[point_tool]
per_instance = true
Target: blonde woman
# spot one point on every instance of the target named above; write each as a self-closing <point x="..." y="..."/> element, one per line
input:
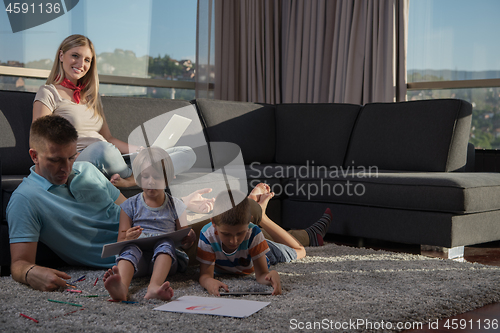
<point x="72" y="92"/>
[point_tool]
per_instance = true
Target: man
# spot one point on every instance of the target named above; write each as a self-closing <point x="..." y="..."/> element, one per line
<point x="71" y="207"/>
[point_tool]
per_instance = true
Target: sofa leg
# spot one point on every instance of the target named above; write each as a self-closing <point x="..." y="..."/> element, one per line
<point x="455" y="253"/>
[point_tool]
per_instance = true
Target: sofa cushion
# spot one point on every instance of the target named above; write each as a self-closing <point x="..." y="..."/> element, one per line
<point x="249" y="125"/>
<point x="429" y="135"/>
<point x="15" y="122"/>
<point x="450" y="192"/>
<point x="314" y="133"/>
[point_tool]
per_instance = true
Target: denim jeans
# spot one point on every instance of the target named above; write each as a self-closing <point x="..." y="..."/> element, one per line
<point x="109" y="160"/>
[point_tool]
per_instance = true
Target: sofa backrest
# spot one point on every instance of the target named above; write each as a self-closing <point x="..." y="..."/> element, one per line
<point x="314" y="134"/>
<point x="249" y="125"/>
<point x="15" y="122"/>
<point x="426" y="135"/>
<point x="123" y="115"/>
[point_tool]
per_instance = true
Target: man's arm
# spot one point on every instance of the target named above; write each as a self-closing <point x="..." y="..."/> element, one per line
<point x="25" y="271"/>
<point x="121" y="199"/>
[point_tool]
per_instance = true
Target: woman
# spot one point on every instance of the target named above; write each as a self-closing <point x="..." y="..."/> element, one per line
<point x="72" y="91"/>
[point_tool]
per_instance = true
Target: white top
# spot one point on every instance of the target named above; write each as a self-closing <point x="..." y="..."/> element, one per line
<point x="87" y="125"/>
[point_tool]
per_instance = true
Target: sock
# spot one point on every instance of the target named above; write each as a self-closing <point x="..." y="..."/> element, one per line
<point x="318" y="230"/>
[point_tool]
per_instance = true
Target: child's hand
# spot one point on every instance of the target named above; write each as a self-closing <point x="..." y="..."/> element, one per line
<point x="189" y="240"/>
<point x="214" y="285"/>
<point x="133" y="233"/>
<point x="274" y="278"/>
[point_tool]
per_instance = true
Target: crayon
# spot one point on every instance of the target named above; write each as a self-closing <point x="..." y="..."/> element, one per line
<point x="96" y="279"/>
<point x="25" y="316"/>
<point x="81" y="278"/>
<point x="56" y="301"/>
<point x="73" y="291"/>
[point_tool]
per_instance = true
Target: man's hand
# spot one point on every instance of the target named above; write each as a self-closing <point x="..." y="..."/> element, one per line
<point x="197" y="203"/>
<point x="46" y="279"/>
<point x="189" y="240"/>
<point x="274" y="278"/>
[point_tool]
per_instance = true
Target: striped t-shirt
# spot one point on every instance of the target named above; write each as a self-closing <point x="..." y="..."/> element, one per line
<point x="240" y="261"/>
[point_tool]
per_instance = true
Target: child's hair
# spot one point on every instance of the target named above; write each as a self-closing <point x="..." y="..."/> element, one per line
<point x="158" y="159"/>
<point x="90" y="93"/>
<point x="232" y="208"/>
<point x="51" y="128"/>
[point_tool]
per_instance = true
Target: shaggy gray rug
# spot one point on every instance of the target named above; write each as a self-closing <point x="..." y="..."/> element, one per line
<point x="336" y="288"/>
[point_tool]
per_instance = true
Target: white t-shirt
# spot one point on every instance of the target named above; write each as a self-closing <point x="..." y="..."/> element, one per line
<point x="86" y="124"/>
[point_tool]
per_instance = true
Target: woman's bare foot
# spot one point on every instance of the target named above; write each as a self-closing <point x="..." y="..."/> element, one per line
<point x="163" y="292"/>
<point x="261" y="188"/>
<point x="113" y="284"/>
<point x="118" y="181"/>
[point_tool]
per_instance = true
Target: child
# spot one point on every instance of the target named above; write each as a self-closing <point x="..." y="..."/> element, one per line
<point x="149" y="213"/>
<point x="231" y="244"/>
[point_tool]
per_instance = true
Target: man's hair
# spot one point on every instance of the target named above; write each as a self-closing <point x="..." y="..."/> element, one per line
<point x="231" y="208"/>
<point x="51" y="128"/>
<point x="158" y="159"/>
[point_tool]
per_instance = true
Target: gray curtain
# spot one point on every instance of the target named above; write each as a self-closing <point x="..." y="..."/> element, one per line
<point x="309" y="51"/>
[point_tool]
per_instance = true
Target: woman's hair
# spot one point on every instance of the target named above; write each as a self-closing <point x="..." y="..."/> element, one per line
<point x="158" y="159"/>
<point x="90" y="93"/>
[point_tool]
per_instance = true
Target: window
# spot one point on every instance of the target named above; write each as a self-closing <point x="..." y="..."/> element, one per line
<point x="152" y="41"/>
<point x="453" y="53"/>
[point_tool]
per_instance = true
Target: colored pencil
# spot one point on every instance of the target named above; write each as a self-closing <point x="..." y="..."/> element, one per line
<point x="25" y="316"/>
<point x="62" y="302"/>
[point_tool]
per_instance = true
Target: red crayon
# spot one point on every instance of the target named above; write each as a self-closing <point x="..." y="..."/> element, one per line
<point x="96" y="279"/>
<point x="25" y="316"/>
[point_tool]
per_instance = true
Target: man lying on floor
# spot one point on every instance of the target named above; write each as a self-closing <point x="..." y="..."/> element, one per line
<point x="72" y="208"/>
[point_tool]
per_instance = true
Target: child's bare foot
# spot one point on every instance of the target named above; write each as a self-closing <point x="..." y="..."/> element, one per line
<point x="261" y="188"/>
<point x="113" y="284"/>
<point x="118" y="181"/>
<point x="163" y="292"/>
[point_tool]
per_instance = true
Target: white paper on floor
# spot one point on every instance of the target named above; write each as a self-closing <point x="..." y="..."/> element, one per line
<point x="216" y="306"/>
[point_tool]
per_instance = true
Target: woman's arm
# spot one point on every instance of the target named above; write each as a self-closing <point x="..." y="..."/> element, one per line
<point x="123" y="147"/>
<point x="40" y="110"/>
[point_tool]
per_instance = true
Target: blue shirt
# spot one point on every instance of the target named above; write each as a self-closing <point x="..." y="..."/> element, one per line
<point x="75" y="221"/>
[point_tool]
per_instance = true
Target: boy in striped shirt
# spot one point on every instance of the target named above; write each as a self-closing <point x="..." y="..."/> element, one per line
<point x="231" y="244"/>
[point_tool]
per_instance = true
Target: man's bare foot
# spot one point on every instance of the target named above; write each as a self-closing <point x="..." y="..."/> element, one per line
<point x="118" y="181"/>
<point x="113" y="284"/>
<point x="261" y="188"/>
<point x="163" y="292"/>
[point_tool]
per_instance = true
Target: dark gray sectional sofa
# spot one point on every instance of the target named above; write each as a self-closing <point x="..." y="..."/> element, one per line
<point x="391" y="171"/>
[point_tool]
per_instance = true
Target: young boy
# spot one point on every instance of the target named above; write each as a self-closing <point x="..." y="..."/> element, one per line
<point x="231" y="244"/>
<point x="149" y="213"/>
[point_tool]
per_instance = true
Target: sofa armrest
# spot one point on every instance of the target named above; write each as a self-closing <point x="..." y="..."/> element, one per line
<point x="471" y="158"/>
